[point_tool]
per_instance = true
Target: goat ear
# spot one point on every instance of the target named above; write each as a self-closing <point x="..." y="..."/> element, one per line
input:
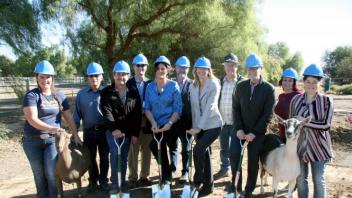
<point x="279" y="119"/>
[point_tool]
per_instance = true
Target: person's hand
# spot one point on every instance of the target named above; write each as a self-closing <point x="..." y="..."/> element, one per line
<point x="240" y="134"/>
<point x="117" y="134"/>
<point x="193" y="131"/>
<point x="134" y="140"/>
<point x="56" y="130"/>
<point x="250" y="137"/>
<point x="166" y="127"/>
<point x="77" y="139"/>
<point x="155" y="128"/>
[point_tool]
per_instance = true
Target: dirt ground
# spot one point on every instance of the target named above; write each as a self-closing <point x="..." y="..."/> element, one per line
<point x="16" y="179"/>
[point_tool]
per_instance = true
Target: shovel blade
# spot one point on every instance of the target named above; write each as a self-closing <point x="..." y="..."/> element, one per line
<point x="187" y="193"/>
<point x="123" y="195"/>
<point x="164" y="192"/>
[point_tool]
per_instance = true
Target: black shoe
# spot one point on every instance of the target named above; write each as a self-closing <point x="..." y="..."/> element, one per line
<point x="206" y="190"/>
<point x="248" y="194"/>
<point x="92" y="187"/>
<point x="132" y="184"/>
<point x="104" y="187"/>
<point x="145" y="182"/>
<point x="220" y="174"/>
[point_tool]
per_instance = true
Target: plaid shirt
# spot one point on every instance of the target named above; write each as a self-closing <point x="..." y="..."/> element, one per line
<point x="226" y="101"/>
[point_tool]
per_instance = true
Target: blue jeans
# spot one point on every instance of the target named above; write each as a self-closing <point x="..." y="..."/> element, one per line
<point x="318" y="176"/>
<point x="42" y="156"/>
<point x="224" y="137"/>
<point x="113" y="159"/>
<point x="184" y="153"/>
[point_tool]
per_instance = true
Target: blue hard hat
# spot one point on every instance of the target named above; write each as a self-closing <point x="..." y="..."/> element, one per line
<point x="183" y="61"/>
<point x="44" y="67"/>
<point x="290" y="73"/>
<point x="202" y="62"/>
<point x="94" y="68"/>
<point x="162" y="59"/>
<point x="140" y="59"/>
<point x="313" y="70"/>
<point x="253" y="61"/>
<point x="122" y="67"/>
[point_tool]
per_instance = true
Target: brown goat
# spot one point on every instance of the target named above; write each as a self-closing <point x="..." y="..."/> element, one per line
<point x="72" y="162"/>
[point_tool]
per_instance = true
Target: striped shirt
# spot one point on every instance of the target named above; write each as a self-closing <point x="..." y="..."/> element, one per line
<point x="314" y="143"/>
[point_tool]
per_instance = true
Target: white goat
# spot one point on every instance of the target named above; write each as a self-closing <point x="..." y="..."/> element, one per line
<point x="71" y="164"/>
<point x="282" y="163"/>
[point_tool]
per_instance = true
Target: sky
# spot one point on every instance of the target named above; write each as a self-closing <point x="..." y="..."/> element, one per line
<point x="308" y="26"/>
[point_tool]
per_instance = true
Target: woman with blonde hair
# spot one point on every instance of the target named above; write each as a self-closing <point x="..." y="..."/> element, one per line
<point x="206" y="122"/>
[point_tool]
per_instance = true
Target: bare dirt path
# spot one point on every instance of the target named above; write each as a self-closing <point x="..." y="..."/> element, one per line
<point x="16" y="178"/>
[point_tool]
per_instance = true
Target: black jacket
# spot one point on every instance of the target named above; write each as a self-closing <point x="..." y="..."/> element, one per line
<point x="185" y="121"/>
<point x="253" y="113"/>
<point x="132" y="84"/>
<point x="121" y="116"/>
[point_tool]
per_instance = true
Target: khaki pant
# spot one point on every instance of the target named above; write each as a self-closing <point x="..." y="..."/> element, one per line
<point x="143" y="146"/>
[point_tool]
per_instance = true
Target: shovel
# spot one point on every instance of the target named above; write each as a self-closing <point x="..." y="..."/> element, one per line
<point x="119" y="194"/>
<point x="188" y="191"/>
<point x="235" y="194"/>
<point x="160" y="190"/>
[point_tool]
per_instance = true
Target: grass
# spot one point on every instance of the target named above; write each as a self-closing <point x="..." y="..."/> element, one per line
<point x="342" y="89"/>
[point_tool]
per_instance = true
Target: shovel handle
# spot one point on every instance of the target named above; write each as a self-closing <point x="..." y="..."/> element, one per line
<point x="119" y="146"/>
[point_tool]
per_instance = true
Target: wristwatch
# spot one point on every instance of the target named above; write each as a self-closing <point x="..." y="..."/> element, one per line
<point x="170" y="122"/>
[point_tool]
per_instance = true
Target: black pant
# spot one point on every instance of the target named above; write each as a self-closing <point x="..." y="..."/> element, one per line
<point x="201" y="155"/>
<point x="169" y="140"/>
<point x="96" y="140"/>
<point x="254" y="148"/>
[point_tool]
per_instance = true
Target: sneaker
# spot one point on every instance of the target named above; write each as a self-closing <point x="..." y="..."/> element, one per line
<point x="220" y="174"/>
<point x="145" y="181"/>
<point x="105" y="187"/>
<point x="184" y="177"/>
<point x="132" y="184"/>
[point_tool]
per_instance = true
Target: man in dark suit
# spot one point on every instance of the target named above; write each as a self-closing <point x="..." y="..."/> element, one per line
<point x="185" y="121"/>
<point x="140" y="82"/>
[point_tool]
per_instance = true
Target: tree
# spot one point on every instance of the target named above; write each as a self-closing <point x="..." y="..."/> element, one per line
<point x="333" y="60"/>
<point x="279" y="49"/>
<point x="5" y="66"/>
<point x="296" y="62"/>
<point x="112" y="30"/>
<point x="19" y="25"/>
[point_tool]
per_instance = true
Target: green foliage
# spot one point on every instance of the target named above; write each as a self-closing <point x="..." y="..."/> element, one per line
<point x="19" y="25"/>
<point x="296" y="62"/>
<point x="20" y="90"/>
<point x="25" y="63"/>
<point x="342" y="89"/>
<point x="5" y="66"/>
<point x="338" y="62"/>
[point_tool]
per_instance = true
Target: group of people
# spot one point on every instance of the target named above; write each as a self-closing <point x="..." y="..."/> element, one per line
<point x="134" y="111"/>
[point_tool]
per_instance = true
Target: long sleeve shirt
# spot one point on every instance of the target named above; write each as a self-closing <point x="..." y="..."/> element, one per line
<point x="125" y="116"/>
<point x="87" y="108"/>
<point x="253" y="106"/>
<point x="315" y="140"/>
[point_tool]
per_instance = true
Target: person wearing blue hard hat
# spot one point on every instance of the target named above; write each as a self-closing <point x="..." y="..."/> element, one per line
<point x="121" y="107"/>
<point x="228" y="86"/>
<point x="43" y="107"/>
<point x="253" y="104"/>
<point x="87" y="110"/>
<point x="314" y="143"/>
<point x="185" y="121"/>
<point x="139" y="82"/>
<point x="288" y="83"/>
<point x="163" y="107"/>
<point x="206" y="122"/>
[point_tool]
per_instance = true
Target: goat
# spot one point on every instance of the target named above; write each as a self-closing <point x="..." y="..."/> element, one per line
<point x="71" y="164"/>
<point x="282" y="162"/>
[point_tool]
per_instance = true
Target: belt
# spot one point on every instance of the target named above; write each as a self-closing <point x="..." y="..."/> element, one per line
<point x="42" y="136"/>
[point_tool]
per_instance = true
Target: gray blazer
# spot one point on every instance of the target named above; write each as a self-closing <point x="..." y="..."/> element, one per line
<point x="205" y="110"/>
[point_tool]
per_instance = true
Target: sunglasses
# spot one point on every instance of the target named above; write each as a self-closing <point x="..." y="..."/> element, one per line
<point x="140" y="65"/>
<point x="94" y="76"/>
